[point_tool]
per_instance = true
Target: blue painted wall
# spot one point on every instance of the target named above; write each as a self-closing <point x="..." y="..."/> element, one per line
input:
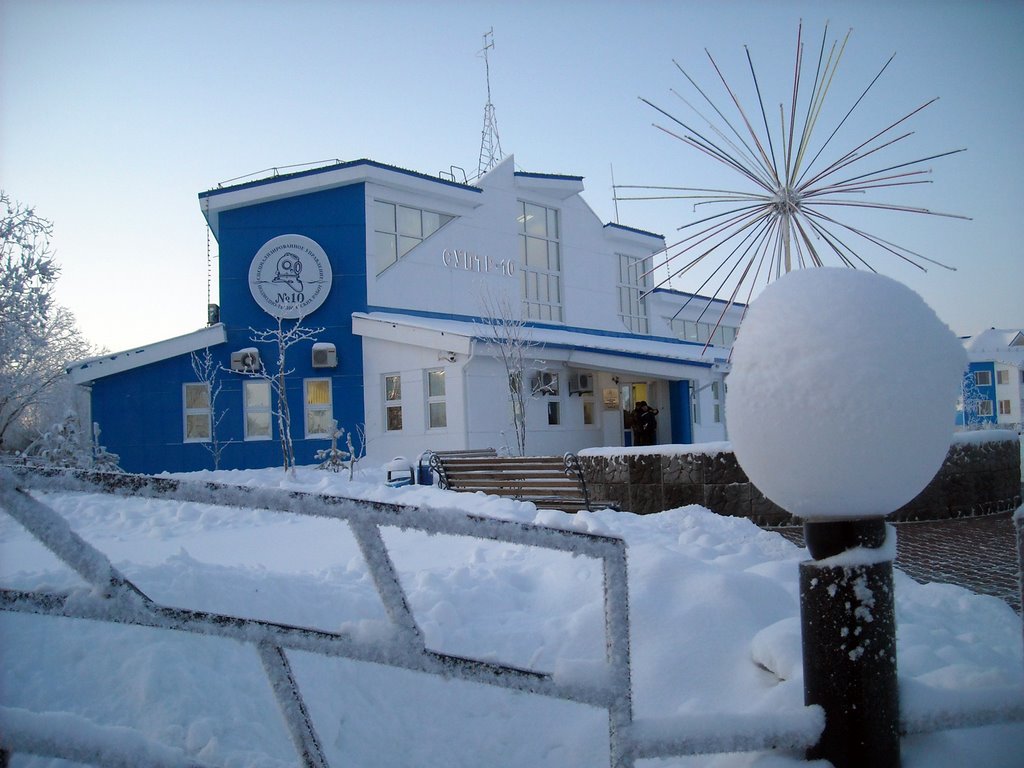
<point x="979" y="393"/>
<point x="679" y="401"/>
<point x="140" y="412"/>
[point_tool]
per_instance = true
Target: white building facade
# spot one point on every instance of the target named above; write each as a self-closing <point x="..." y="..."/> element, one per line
<point x="411" y="278"/>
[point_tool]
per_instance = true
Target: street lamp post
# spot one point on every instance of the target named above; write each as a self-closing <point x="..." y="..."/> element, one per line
<point x="848" y="632"/>
<point x="841" y="405"/>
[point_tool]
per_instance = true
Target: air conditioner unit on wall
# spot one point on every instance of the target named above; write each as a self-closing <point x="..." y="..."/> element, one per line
<point x="581" y="384"/>
<point x="325" y="356"/>
<point x="245" y="360"/>
<point x="544" y="383"/>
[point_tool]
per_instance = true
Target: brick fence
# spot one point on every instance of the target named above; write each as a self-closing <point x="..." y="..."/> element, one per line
<point x="980" y="475"/>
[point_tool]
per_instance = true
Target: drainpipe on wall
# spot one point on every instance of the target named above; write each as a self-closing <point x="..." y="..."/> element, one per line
<point x="465" y="392"/>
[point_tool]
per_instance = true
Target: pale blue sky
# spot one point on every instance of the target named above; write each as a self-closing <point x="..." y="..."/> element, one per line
<point x="116" y="114"/>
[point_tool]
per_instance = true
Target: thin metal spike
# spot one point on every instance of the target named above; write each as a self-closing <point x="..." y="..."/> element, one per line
<point x="854" y="152"/>
<point x="907" y="164"/>
<point x="726" y="120"/>
<point x="741" y="150"/>
<point x="743" y="114"/>
<point x="710" y="148"/>
<point x="721" y="156"/>
<point x="792" y="111"/>
<point x="850" y="112"/>
<point x="764" y="116"/>
<point x="848" y="161"/>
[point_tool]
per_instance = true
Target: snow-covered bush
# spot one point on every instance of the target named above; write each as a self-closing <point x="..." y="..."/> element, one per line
<point x="63" y="445"/>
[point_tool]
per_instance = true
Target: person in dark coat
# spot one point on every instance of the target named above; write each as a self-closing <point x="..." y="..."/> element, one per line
<point x="645" y="424"/>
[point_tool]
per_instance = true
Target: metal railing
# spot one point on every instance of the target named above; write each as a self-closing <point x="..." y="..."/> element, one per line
<point x="116" y="599"/>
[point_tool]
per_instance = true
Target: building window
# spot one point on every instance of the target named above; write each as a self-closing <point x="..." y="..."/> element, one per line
<point x="319" y="409"/>
<point x="554" y="413"/>
<point x="634" y="281"/>
<point x="984" y="407"/>
<point x="983" y="378"/>
<point x="197" y="412"/>
<point x="398" y="229"/>
<point x="1004" y="407"/>
<point x="589" y="413"/>
<point x="694" y="402"/>
<point x="1002" y="376"/>
<point x="702" y="333"/>
<point x="716" y="398"/>
<point x="541" y="259"/>
<point x="256" y="395"/>
<point x="393" y="402"/>
<point x="437" y="411"/>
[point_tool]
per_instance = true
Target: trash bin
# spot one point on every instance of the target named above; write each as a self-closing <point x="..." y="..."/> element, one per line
<point x="399" y="472"/>
<point x="424" y="475"/>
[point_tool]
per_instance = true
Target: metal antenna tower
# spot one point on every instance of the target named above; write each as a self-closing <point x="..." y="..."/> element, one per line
<point x="490" y="142"/>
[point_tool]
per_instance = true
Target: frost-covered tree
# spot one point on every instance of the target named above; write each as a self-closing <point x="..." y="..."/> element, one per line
<point x="509" y="336"/>
<point x="207" y="371"/>
<point x="38" y="338"/>
<point x="281" y="339"/>
<point x="334" y="458"/>
<point x="971" y="403"/>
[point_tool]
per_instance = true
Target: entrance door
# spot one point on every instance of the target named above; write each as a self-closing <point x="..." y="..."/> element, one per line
<point x="630" y="395"/>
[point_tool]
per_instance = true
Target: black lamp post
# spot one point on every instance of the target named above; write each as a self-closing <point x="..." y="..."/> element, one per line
<point x="848" y="631"/>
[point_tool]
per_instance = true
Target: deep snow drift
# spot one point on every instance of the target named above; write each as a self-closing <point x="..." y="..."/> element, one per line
<point x="715" y="630"/>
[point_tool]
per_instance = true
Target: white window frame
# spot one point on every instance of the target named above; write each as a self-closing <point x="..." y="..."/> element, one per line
<point x="984" y="407"/>
<point x="1005" y="407"/>
<point x="435" y="399"/>
<point x="402" y="239"/>
<point x="309" y="408"/>
<point x="589" y="403"/>
<point x="1002" y="376"/>
<point x="988" y="378"/>
<point x="634" y="282"/>
<point x="251" y="409"/>
<point x="392" y="402"/>
<point x="553" y="406"/>
<point x="537" y="283"/>
<point x="718" y="401"/>
<point x="193" y="412"/>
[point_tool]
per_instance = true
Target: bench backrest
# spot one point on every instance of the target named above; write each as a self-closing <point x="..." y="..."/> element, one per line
<point x="548" y="481"/>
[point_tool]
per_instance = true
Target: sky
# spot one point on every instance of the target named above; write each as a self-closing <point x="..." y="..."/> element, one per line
<point x="115" y="115"/>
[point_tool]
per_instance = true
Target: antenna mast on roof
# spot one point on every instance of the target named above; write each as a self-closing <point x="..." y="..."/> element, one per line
<point x="490" y="143"/>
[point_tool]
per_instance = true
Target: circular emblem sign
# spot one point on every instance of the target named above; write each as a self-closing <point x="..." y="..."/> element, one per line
<point x="290" y="276"/>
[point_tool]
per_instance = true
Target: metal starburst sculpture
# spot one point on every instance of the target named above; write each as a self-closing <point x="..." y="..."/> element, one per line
<point x="788" y="214"/>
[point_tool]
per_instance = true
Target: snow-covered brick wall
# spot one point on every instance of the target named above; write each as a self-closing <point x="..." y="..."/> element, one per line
<point x="978" y="476"/>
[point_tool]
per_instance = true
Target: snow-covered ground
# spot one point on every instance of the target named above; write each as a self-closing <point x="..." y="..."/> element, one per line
<point x="715" y="630"/>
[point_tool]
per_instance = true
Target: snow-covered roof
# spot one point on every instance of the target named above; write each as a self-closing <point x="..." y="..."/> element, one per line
<point x="579" y="347"/>
<point x="94" y="368"/>
<point x="1005" y="345"/>
<point x="614" y="227"/>
<point x="338" y="174"/>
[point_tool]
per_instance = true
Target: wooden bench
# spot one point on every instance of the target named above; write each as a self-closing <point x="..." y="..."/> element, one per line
<point x="550" y="482"/>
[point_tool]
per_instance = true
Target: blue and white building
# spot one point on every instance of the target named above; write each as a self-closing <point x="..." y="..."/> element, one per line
<point x="401" y="271"/>
<point x="993" y="389"/>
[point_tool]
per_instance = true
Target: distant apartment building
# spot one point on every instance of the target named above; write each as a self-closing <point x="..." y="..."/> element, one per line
<point x="993" y="388"/>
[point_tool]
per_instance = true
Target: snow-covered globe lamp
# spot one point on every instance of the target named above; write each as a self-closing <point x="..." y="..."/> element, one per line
<point x="841" y="403"/>
<point x="842" y="393"/>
